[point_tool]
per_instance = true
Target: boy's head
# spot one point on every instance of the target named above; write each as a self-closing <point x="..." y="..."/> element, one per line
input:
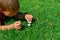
<point x="9" y="6"/>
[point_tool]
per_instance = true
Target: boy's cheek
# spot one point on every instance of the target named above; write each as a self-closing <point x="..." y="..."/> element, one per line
<point x="9" y="14"/>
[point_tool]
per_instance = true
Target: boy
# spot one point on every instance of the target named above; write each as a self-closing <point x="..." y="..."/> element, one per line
<point x="10" y="8"/>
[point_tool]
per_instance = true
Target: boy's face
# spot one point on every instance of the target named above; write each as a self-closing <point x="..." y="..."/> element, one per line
<point x="9" y="14"/>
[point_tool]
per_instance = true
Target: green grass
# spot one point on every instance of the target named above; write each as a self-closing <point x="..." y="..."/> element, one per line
<point x="45" y="27"/>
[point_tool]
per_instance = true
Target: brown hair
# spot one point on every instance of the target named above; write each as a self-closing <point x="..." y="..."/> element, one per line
<point x="10" y="5"/>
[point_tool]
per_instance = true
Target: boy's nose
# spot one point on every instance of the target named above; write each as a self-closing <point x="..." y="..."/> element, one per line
<point x="0" y="9"/>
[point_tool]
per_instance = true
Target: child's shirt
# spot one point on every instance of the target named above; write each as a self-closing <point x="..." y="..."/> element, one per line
<point x="1" y="16"/>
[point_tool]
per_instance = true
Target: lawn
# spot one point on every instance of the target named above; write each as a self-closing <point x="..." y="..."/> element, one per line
<point x="46" y="23"/>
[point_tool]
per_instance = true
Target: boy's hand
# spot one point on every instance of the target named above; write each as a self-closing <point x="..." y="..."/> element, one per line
<point x="17" y="25"/>
<point x="28" y="17"/>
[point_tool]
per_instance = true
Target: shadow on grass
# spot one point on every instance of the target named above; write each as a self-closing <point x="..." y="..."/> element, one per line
<point x="19" y="16"/>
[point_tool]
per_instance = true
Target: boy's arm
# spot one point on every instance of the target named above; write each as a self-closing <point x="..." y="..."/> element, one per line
<point x="6" y="27"/>
<point x="16" y="25"/>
